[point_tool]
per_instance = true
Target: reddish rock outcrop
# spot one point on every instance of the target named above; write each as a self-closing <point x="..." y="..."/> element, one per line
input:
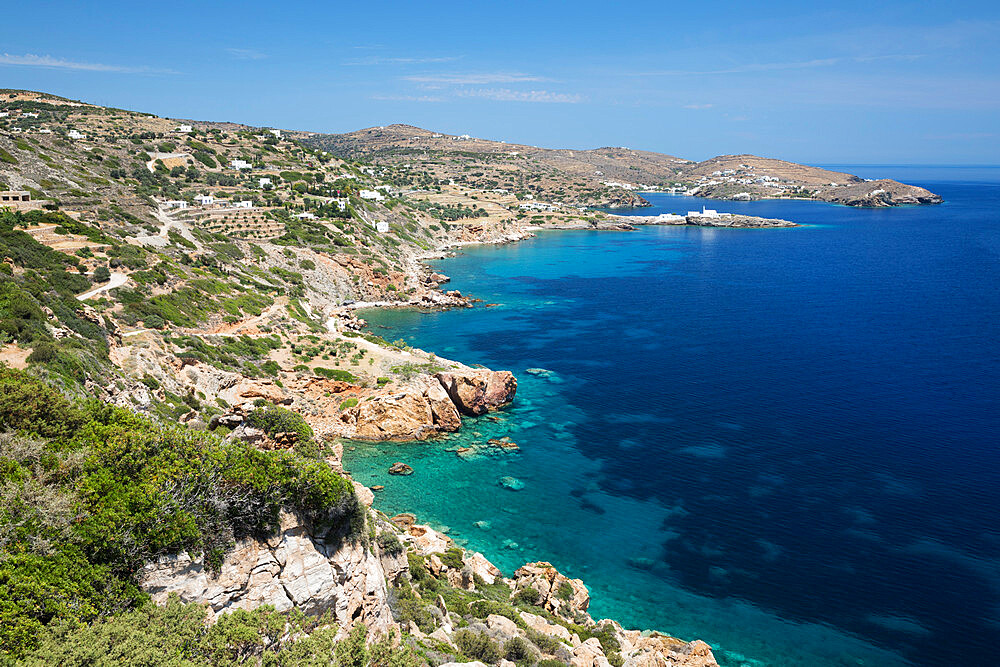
<point x="479" y="391"/>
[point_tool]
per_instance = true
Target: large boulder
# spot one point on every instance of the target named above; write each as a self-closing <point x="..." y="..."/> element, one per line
<point x="476" y="392"/>
<point x="403" y="416"/>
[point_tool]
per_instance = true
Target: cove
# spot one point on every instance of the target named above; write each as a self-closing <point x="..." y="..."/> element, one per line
<point x="780" y="441"/>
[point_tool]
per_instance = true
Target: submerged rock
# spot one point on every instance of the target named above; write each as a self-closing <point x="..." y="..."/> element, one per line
<point x="512" y="483"/>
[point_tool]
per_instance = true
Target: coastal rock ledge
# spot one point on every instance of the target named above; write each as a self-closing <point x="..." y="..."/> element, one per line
<point x="427" y="405"/>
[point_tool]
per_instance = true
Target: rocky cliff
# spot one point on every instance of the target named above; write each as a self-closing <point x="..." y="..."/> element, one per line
<point x="367" y="582"/>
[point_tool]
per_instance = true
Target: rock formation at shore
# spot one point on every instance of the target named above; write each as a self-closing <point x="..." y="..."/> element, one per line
<point x="427" y="405"/>
<point x="719" y="220"/>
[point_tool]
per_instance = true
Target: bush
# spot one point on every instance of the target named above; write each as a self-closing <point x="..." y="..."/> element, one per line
<point x="528" y="595"/>
<point x="43" y="352"/>
<point x="349" y="403"/>
<point x="453" y="558"/>
<point x="336" y="374"/>
<point x="274" y="419"/>
<point x="519" y="651"/>
<point x="565" y="591"/>
<point x="389" y="543"/>
<point x="102" y="274"/>
<point x="476" y="646"/>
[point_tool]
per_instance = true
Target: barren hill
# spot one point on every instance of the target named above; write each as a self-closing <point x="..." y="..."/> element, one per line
<point x="603" y="176"/>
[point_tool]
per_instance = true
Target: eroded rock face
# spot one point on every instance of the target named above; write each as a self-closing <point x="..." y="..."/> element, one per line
<point x="479" y="391"/>
<point x="443" y="411"/>
<point x="291" y="569"/>
<point x="557" y="592"/>
<point x="402" y="416"/>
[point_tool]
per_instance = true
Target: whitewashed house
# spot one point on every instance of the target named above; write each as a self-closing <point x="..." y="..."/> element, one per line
<point x="264" y="181"/>
<point x="76" y="134"/>
<point x="341" y="202"/>
<point x="305" y="215"/>
<point x="184" y="129"/>
<point x="381" y="227"/>
<point x="373" y="195"/>
<point x="276" y="133"/>
<point x="204" y="200"/>
<point x="45" y="130"/>
<point x="242" y="204"/>
<point x="704" y="213"/>
<point x="241" y="165"/>
<point x="176" y="203"/>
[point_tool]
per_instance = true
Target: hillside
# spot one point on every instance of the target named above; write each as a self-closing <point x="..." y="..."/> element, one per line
<point x="190" y="287"/>
<point x="607" y="177"/>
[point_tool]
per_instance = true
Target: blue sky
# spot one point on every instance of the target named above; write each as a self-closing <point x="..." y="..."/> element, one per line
<point x="847" y="82"/>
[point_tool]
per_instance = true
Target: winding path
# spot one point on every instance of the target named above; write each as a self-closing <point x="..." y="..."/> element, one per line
<point x="117" y="280"/>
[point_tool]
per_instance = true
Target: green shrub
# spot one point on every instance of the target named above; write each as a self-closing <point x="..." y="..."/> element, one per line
<point x="336" y="374"/>
<point x="43" y="352"/>
<point x="453" y="558"/>
<point x="527" y="595"/>
<point x="519" y="651"/>
<point x="476" y="645"/>
<point x="565" y="591"/>
<point x="349" y="403"/>
<point x="274" y="419"/>
<point x="389" y="543"/>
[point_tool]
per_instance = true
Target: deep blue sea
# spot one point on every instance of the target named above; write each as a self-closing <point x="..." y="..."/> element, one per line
<point x="784" y="442"/>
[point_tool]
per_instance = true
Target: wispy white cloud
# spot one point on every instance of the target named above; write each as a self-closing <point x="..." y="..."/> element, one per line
<point x="473" y="79"/>
<point x="771" y="67"/>
<point x="408" y="98"/>
<point x="508" y="95"/>
<point x="699" y="107"/>
<point x="385" y="60"/>
<point x="246" y="54"/>
<point x="49" y="62"/>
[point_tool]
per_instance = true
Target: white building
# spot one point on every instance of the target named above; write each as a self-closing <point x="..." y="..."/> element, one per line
<point x="176" y="203"/>
<point x="75" y="134"/>
<point x="264" y="181"/>
<point x="276" y="133"/>
<point x="4" y="114"/>
<point x="341" y="202"/>
<point x="371" y="195"/>
<point x="28" y="114"/>
<point x="704" y="213"/>
<point x="185" y="129"/>
<point x="305" y="215"/>
<point x="241" y="164"/>
<point x="45" y="130"/>
<point x="381" y="227"/>
<point x="204" y="200"/>
<point x="242" y="204"/>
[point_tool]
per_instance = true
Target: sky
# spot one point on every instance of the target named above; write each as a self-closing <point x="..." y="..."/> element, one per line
<point x="846" y="82"/>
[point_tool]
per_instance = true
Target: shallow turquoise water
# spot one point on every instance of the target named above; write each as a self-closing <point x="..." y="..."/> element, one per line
<point x="779" y="441"/>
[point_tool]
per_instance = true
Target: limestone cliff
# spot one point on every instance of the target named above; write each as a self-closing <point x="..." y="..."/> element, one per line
<point x="290" y="569"/>
<point x="357" y="581"/>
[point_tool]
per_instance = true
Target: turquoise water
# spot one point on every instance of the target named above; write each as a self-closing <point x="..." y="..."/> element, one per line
<point x="780" y="441"/>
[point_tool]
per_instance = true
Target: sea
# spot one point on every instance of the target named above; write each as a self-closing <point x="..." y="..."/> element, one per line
<point x="785" y="442"/>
